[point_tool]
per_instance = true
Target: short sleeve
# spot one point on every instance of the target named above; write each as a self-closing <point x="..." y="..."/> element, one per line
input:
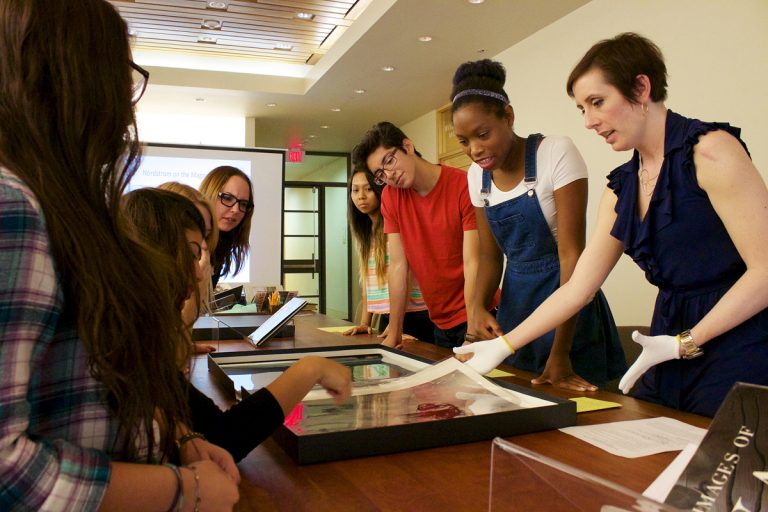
<point x="468" y="220"/>
<point x="389" y="211"/>
<point x="475" y="183"/>
<point x="567" y="163"/>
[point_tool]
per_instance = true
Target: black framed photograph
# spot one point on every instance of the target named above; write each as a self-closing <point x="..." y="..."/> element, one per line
<point x="399" y="402"/>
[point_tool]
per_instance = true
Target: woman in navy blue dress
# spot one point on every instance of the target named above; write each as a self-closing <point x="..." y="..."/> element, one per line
<point x="691" y="210"/>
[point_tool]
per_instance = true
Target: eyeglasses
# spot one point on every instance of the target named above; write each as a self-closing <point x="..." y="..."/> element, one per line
<point x="139" y="79"/>
<point x="387" y="164"/>
<point x="228" y="199"/>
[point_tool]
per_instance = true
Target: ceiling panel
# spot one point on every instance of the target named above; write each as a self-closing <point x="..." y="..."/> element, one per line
<point x="260" y="29"/>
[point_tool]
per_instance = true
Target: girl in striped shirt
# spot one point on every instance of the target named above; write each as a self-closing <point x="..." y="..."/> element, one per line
<point x="367" y="225"/>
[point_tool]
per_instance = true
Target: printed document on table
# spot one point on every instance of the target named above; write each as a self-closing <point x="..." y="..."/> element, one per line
<point x="639" y="438"/>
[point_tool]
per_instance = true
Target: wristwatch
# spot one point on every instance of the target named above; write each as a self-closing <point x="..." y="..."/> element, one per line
<point x="690" y="349"/>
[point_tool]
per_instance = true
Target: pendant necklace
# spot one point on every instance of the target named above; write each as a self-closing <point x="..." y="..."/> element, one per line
<point x="646" y="184"/>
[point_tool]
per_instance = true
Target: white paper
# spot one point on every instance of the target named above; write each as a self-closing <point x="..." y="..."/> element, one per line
<point x="662" y="486"/>
<point x="432" y="372"/>
<point x="639" y="438"/>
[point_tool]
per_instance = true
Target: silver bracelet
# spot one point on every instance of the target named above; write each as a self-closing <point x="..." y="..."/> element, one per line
<point x="197" y="488"/>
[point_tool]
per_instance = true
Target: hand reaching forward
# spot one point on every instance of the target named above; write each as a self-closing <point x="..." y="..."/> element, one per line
<point x="358" y="329"/>
<point x="656" y="349"/>
<point x="559" y="372"/>
<point x="485" y="355"/>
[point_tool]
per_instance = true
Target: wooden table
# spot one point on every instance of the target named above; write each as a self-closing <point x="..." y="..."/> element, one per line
<point x="451" y="478"/>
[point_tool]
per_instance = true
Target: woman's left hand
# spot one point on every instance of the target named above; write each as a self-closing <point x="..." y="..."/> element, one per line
<point x="656" y="349"/>
<point x="199" y="449"/>
<point x="559" y="372"/>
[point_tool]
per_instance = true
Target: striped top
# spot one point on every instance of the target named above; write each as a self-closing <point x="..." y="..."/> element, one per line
<point x="56" y="433"/>
<point x="377" y="294"/>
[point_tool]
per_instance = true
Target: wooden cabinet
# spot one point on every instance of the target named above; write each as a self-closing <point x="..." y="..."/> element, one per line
<point x="449" y="151"/>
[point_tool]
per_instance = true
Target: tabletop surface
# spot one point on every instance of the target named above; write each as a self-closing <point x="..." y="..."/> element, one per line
<point x="446" y="478"/>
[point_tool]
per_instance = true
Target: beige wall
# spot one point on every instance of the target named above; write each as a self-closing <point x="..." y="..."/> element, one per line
<point x="423" y="132"/>
<point x="717" y="58"/>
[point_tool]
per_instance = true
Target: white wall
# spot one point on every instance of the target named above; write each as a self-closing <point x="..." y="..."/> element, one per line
<point x="717" y="58"/>
<point x="423" y="132"/>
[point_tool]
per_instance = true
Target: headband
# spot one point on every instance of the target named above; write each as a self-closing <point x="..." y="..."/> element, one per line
<point x="481" y="92"/>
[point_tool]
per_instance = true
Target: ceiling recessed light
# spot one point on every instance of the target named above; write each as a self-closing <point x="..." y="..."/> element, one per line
<point x="312" y="136"/>
<point x="271" y="105"/>
<point x="199" y="99"/>
<point x="388" y="68"/>
<point x="283" y="46"/>
<point x="217" y="6"/>
<point x="305" y="15"/>
<point x="324" y="126"/>
<point x="481" y="50"/>
<point x="359" y="91"/>
<point x="425" y="39"/>
<point x="206" y="39"/>
<point x="476" y="1"/>
<point x="335" y="109"/>
<point x="211" y="24"/>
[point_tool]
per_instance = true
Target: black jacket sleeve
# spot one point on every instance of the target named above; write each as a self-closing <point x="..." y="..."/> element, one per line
<point x="241" y="428"/>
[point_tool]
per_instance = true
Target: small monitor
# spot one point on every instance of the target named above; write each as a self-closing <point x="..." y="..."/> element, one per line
<point x="270" y="327"/>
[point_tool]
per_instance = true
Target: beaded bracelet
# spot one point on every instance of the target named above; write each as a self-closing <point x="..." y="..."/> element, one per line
<point x="188" y="437"/>
<point x="178" y="498"/>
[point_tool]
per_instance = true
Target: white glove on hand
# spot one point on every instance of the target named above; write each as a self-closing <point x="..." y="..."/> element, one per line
<point x="656" y="349"/>
<point x="486" y="355"/>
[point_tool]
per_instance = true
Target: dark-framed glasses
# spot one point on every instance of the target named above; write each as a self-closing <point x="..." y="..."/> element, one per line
<point x="387" y="164"/>
<point x="229" y="200"/>
<point x="139" y="79"/>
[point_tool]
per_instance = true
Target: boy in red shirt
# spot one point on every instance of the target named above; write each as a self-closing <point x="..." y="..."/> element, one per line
<point x="431" y="230"/>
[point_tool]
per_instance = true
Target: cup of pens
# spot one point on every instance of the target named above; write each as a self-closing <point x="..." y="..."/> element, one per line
<point x="274" y="302"/>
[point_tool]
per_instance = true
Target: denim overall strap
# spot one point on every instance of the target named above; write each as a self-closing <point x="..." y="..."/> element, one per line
<point x="531" y="146"/>
<point x="529" y="178"/>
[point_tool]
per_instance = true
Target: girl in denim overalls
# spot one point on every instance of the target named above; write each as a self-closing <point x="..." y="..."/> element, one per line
<point x="534" y="218"/>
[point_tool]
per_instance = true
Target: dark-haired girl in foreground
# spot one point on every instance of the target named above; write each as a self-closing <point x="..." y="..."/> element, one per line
<point x="530" y="196"/>
<point x="692" y="210"/>
<point x="90" y="337"/>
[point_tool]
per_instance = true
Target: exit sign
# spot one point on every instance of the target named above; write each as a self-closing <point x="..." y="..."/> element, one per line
<point x="295" y="155"/>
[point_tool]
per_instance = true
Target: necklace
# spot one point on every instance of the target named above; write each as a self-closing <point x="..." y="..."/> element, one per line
<point x="647" y="183"/>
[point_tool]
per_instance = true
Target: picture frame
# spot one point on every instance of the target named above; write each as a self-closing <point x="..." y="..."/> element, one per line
<point x="413" y="404"/>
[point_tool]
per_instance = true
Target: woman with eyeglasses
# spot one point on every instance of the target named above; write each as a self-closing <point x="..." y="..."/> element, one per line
<point x="90" y="335"/>
<point x="230" y="190"/>
<point x="367" y="226"/>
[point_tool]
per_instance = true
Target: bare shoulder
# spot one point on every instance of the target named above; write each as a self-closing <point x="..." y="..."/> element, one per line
<point x="720" y="158"/>
<point x="718" y="146"/>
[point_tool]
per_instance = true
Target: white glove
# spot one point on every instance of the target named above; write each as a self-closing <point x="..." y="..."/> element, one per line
<point x="656" y="349"/>
<point x="486" y="355"/>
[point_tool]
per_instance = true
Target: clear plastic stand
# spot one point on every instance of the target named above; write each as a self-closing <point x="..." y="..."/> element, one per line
<point x="215" y="338"/>
<point x="523" y="480"/>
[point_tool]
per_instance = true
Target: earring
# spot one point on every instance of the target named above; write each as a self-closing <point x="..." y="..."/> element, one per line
<point x="645" y="108"/>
